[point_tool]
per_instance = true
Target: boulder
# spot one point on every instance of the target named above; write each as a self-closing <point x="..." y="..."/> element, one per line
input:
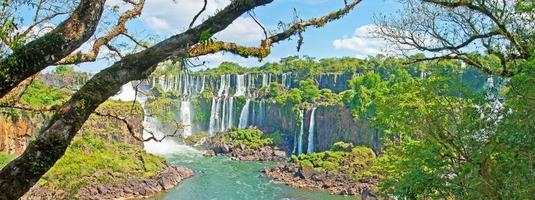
<point x="209" y="153"/>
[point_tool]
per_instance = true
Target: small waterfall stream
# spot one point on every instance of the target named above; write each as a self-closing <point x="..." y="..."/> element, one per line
<point x="244" y="116"/>
<point x="185" y="116"/>
<point x="301" y="133"/>
<point x="310" y="147"/>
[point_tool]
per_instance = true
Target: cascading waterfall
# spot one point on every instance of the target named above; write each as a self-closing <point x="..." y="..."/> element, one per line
<point x="244" y="116"/>
<point x="264" y="80"/>
<point x="240" y="85"/>
<point x="301" y="132"/>
<point x="223" y="116"/>
<point x="230" y="118"/>
<point x="185" y="116"/>
<point x="202" y="83"/>
<point x="310" y="147"/>
<point x="213" y="116"/>
<point x="223" y="113"/>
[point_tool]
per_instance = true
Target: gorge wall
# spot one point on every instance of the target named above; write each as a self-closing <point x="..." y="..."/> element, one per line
<point x="215" y="103"/>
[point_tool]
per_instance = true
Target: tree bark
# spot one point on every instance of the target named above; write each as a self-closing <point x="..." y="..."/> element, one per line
<point x="22" y="173"/>
<point x="52" y="47"/>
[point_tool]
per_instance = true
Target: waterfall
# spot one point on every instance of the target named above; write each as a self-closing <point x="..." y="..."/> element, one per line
<point x="301" y="131"/>
<point x="213" y="113"/>
<point x="185" y="117"/>
<point x="223" y="115"/>
<point x="264" y="80"/>
<point x="310" y="147"/>
<point x="222" y="85"/>
<point x="202" y="83"/>
<point x="244" y="116"/>
<point x="231" y="113"/>
<point x="261" y="113"/>
<point x="240" y="85"/>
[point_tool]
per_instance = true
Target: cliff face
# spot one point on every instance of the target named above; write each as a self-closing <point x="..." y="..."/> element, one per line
<point x="332" y="124"/>
<point x="216" y="103"/>
<point x="18" y="127"/>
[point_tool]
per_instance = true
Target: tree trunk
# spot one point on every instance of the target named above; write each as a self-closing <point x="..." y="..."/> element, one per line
<point x="52" y="47"/>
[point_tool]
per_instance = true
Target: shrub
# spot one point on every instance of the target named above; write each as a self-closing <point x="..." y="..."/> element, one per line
<point x="250" y="138"/>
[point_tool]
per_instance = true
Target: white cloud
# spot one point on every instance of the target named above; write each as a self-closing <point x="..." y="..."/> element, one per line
<point x="242" y="30"/>
<point x="213" y="60"/>
<point x="172" y="16"/>
<point x="362" y="43"/>
<point x="169" y="17"/>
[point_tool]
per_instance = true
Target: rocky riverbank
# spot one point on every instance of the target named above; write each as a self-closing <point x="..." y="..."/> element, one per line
<point x="266" y="153"/>
<point x="135" y="188"/>
<point x="301" y="177"/>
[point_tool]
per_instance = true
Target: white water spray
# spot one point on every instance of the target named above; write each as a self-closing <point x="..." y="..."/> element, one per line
<point x="244" y="116"/>
<point x="310" y="147"/>
<point x="301" y="131"/>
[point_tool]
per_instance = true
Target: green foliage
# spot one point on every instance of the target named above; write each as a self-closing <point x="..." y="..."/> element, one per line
<point x="342" y="146"/>
<point x="275" y="137"/>
<point x="364" y="90"/>
<point x="39" y="94"/>
<point x="63" y="70"/>
<point x="163" y="107"/>
<point x="5" y="158"/>
<point x="251" y="138"/>
<point x="445" y="138"/>
<point x="355" y="162"/>
<point x="89" y="160"/>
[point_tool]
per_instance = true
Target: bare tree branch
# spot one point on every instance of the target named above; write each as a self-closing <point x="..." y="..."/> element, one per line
<point x="259" y="24"/>
<point x="118" y="29"/>
<point x="198" y="14"/>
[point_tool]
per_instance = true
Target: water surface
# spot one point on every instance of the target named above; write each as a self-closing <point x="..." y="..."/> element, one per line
<point x="225" y="179"/>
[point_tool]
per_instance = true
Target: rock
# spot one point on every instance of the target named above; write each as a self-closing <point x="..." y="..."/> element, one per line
<point x="209" y="153"/>
<point x="306" y="172"/>
<point x="305" y="177"/>
<point x="168" y="178"/>
<point x="280" y="154"/>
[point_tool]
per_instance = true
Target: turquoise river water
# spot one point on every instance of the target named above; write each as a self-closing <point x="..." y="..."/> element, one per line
<point x="219" y="178"/>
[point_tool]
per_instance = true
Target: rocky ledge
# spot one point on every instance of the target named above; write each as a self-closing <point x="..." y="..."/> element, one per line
<point x="294" y="176"/>
<point x="134" y="188"/>
<point x="266" y="153"/>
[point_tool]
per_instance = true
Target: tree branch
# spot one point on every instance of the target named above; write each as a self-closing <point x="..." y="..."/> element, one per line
<point x="53" y="46"/>
<point x="118" y="29"/>
<point x="198" y="14"/>
<point x="265" y="47"/>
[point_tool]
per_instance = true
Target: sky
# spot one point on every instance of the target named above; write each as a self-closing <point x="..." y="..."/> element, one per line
<point x="348" y="36"/>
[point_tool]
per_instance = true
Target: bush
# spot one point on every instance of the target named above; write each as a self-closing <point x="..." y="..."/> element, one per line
<point x="342" y="146"/>
<point x="5" y="158"/>
<point x="250" y="138"/>
<point x="356" y="162"/>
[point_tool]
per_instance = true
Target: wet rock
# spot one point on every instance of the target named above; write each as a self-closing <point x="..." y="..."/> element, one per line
<point x="209" y="153"/>
<point x="278" y="153"/>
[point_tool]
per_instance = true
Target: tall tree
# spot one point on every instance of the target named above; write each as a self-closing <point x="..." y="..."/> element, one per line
<point x="22" y="173"/>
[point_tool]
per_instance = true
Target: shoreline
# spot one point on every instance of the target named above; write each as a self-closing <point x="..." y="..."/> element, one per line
<point x="135" y="188"/>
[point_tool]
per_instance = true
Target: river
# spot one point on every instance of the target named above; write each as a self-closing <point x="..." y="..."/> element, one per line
<point x="226" y="179"/>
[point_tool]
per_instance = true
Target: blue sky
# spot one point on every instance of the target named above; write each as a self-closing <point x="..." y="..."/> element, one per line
<point x="345" y="37"/>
